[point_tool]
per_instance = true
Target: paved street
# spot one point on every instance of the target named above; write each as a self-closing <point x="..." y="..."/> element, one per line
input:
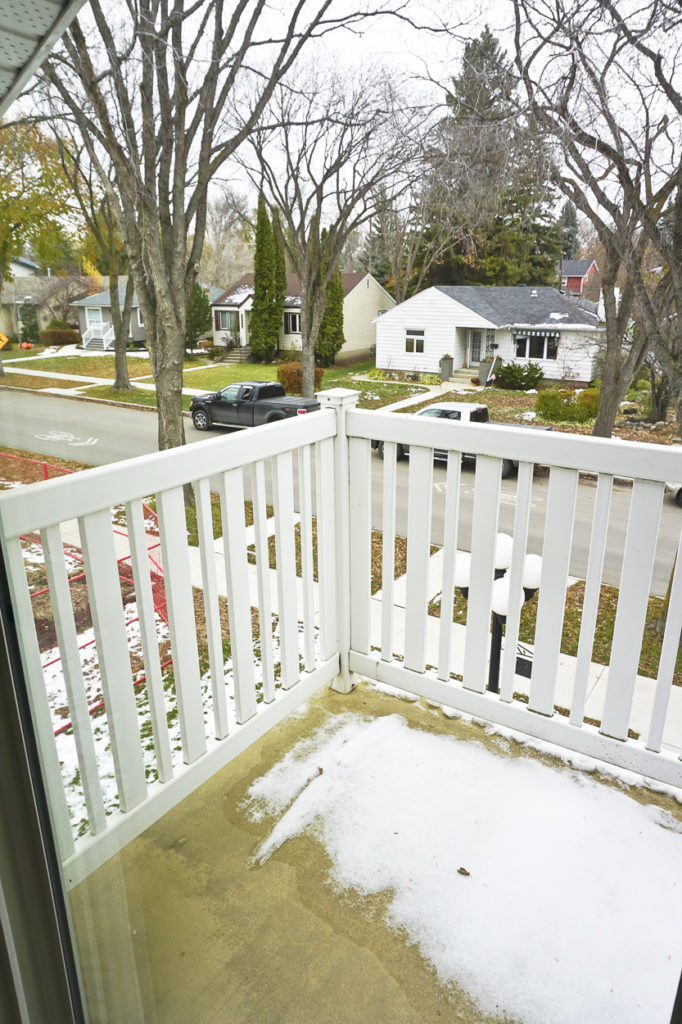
<point x="98" y="434"/>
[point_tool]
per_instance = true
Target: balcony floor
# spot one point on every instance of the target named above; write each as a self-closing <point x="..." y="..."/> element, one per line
<point x="180" y="927"/>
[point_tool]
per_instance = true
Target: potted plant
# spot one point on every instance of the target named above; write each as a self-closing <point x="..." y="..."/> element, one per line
<point x="446" y="364"/>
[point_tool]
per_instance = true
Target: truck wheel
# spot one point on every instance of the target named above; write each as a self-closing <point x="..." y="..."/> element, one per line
<point x="272" y="417"/>
<point x="201" y="419"/>
<point x="507" y="468"/>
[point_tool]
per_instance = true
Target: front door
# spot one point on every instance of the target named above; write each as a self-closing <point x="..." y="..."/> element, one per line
<point x="475" y="347"/>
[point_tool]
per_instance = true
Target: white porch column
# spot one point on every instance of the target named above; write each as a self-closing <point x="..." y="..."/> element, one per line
<point x="341" y="400"/>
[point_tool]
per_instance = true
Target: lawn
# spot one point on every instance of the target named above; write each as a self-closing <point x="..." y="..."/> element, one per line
<point x="92" y="366"/>
<point x="603" y="635"/>
<point x="135" y="397"/>
<point x="20" y="380"/>
<point x="21" y="353"/>
<point x="213" y="378"/>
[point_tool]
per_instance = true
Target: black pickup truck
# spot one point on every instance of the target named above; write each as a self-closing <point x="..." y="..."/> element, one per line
<point x="247" y="404"/>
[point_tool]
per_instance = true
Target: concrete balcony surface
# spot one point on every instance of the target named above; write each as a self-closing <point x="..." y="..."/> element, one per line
<point x="180" y="926"/>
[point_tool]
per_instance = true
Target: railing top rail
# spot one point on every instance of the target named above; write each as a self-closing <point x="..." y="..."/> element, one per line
<point x="29" y="509"/>
<point x="571" y="451"/>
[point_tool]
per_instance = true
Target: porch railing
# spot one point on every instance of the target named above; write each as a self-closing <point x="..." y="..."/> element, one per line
<point x="300" y="613"/>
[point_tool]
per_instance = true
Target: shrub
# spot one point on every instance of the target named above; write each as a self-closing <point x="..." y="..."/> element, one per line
<point x="58" y="325"/>
<point x="377" y="374"/>
<point x="58" y="336"/>
<point x="290" y="376"/>
<point x="567" y="406"/>
<point x="518" y="376"/>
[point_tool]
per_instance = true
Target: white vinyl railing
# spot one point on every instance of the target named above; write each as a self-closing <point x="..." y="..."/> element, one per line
<point x="421" y="659"/>
<point x="220" y="707"/>
<point x="319" y="470"/>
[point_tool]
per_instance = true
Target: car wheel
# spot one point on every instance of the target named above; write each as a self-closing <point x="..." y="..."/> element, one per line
<point x="402" y="451"/>
<point x="678" y="498"/>
<point x="507" y="468"/>
<point x="201" y="419"/>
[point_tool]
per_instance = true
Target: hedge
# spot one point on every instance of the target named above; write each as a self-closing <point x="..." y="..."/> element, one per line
<point x="568" y="406"/>
<point x="517" y="376"/>
<point x="57" y="336"/>
<point x="290" y="376"/>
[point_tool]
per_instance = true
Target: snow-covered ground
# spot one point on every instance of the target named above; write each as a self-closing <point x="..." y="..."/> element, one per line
<point x="543" y="893"/>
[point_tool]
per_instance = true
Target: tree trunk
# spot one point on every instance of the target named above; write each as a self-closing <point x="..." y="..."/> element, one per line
<point x="121" y="323"/>
<point x="312" y="311"/>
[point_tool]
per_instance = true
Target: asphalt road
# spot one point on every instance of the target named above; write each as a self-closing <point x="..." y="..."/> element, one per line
<point x="97" y="434"/>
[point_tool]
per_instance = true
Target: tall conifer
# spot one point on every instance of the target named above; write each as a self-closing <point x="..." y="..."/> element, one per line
<point x="261" y="339"/>
<point x="280" y="276"/>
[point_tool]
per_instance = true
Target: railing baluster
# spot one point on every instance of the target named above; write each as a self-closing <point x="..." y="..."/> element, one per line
<point x="238" y="597"/>
<point x="447" y="598"/>
<point x="37" y="694"/>
<point x="62" y="611"/>
<point x="633" y="601"/>
<point x="260" y="533"/>
<point x="307" y="570"/>
<point x="150" y="647"/>
<point x="214" y="634"/>
<point x="283" y="486"/>
<point x="483" y="535"/>
<point x="524" y="491"/>
<point x="556" y="554"/>
<point x="388" y="550"/>
<point x="588" y="619"/>
<point x="418" y="548"/>
<point x="326" y="573"/>
<point x="360" y="475"/>
<point x="668" y="658"/>
<point x="104" y="594"/>
<point x="179" y="599"/>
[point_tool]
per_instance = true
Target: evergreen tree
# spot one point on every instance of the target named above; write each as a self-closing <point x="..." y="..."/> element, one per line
<point x="198" y="320"/>
<point x="568" y="224"/>
<point x="29" y="322"/>
<point x="330" y="338"/>
<point x="280" y="276"/>
<point x="262" y="336"/>
<point x="491" y="177"/>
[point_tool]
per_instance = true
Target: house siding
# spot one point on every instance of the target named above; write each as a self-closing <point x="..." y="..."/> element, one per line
<point x="576" y="355"/>
<point x="445" y="324"/>
<point x="360" y="308"/>
<point x="137" y="333"/>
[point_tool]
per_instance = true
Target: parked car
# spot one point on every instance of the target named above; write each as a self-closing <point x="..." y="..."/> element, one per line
<point x="462" y="412"/>
<point x="247" y="405"/>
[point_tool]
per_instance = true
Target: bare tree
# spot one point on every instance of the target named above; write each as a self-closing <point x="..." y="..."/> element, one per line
<point x="149" y="87"/>
<point x="93" y="204"/>
<point x="65" y="290"/>
<point x="605" y="82"/>
<point x="228" y="247"/>
<point x="332" y="151"/>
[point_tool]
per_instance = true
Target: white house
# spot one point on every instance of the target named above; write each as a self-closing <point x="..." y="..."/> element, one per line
<point x="364" y="300"/>
<point x="470" y="323"/>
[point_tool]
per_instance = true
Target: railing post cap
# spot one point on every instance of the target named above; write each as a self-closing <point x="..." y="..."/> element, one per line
<point x="343" y="398"/>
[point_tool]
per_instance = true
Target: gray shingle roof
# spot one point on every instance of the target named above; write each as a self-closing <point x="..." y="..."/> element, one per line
<point x="574" y="268"/>
<point x="520" y="306"/>
<point x="103" y="299"/>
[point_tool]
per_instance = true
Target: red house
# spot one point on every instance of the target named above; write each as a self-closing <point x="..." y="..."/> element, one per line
<point x="575" y="275"/>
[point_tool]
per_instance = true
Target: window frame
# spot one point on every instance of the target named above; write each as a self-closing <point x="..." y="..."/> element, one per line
<point x="414" y="340"/>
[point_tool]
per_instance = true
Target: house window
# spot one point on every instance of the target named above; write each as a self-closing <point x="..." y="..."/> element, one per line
<point x="536" y="345"/>
<point x="227" y="320"/>
<point x="414" y="340"/>
<point x="93" y="316"/>
<point x="292" y="323"/>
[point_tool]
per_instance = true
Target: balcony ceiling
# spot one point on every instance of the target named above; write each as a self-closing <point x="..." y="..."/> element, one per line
<point x="28" y="31"/>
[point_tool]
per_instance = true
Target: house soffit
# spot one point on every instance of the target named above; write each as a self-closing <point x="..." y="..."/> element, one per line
<point x="29" y="30"/>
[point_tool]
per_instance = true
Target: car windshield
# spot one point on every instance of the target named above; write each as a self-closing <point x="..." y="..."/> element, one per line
<point x="431" y="412"/>
<point x="480" y="415"/>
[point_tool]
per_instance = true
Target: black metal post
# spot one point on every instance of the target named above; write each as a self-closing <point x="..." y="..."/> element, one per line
<point x="495" y="653"/>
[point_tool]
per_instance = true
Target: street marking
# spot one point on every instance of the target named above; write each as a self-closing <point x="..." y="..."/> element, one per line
<point x="61" y="435"/>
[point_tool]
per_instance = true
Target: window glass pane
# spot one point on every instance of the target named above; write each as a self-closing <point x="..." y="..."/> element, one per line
<point x="454" y="414"/>
<point x="552" y="348"/>
<point x="409" y="344"/>
<point x="435" y="413"/>
<point x="480" y="416"/>
<point x="537" y="346"/>
<point x="420" y="344"/>
<point x="521" y="344"/>
<point x="231" y="392"/>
